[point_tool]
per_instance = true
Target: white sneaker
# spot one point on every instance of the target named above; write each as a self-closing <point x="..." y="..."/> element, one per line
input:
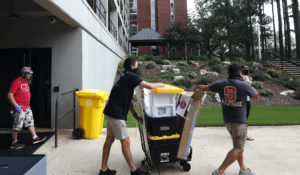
<point x="216" y="172"/>
<point x="247" y="172"/>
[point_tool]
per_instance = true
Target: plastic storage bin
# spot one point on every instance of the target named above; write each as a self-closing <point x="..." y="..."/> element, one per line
<point x="91" y="106"/>
<point x="162" y="125"/>
<point x="164" y="149"/>
<point x="161" y="102"/>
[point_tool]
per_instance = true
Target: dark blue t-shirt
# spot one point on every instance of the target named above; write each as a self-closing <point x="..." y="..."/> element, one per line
<point x="233" y="94"/>
<point x="121" y="95"/>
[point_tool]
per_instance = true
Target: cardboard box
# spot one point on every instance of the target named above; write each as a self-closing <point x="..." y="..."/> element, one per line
<point x="190" y="121"/>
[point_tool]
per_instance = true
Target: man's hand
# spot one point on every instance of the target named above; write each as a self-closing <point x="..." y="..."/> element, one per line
<point x="18" y="108"/>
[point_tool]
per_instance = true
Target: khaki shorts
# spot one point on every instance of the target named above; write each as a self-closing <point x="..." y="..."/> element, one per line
<point x="238" y="134"/>
<point x="23" y="118"/>
<point x="116" y="128"/>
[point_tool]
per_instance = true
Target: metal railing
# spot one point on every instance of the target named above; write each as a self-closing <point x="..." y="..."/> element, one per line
<point x="58" y="117"/>
<point x="112" y="29"/>
<point x="282" y="59"/>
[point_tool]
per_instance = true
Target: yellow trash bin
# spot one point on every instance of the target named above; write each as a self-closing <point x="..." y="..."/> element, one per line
<point x="91" y="106"/>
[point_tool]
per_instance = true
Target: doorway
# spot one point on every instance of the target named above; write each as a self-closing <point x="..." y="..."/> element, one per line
<point x="39" y="59"/>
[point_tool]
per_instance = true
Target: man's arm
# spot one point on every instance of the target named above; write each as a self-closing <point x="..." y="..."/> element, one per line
<point x="11" y="98"/>
<point x="202" y="88"/>
<point x="134" y="114"/>
<point x="151" y="85"/>
<point x="256" y="95"/>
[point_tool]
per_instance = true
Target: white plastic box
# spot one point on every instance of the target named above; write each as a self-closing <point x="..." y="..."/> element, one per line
<point x="159" y="104"/>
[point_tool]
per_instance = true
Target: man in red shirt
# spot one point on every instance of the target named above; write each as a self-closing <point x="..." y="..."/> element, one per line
<point x="19" y="96"/>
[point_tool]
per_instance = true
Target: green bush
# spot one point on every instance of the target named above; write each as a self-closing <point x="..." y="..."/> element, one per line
<point x="185" y="82"/>
<point x="205" y="80"/>
<point x="166" y="62"/>
<point x="120" y="67"/>
<point x="191" y="75"/>
<point x="168" y="75"/>
<point x="149" y="78"/>
<point x="273" y="73"/>
<point x="292" y="84"/>
<point x="157" y="59"/>
<point x="217" y="67"/>
<point x="182" y="63"/>
<point x="258" y="76"/>
<point x="214" y="61"/>
<point x="145" y="57"/>
<point x="175" y="58"/>
<point x="267" y="76"/>
<point x="257" y="84"/>
<point x="266" y="92"/>
<point x="198" y="58"/>
<point x="151" y="65"/>
<point x="297" y="94"/>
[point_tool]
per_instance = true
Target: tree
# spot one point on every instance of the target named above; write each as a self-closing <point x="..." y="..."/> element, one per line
<point x="296" y="16"/>
<point x="274" y="30"/>
<point x="280" y="29"/>
<point x="287" y="31"/>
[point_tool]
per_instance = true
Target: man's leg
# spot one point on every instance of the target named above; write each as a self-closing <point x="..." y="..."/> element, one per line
<point x="106" y="150"/>
<point x="127" y="154"/>
<point x="32" y="131"/>
<point x="230" y="158"/>
<point x="14" y="135"/>
<point x="241" y="162"/>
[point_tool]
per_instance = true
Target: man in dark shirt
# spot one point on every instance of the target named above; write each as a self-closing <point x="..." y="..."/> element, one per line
<point x="233" y="93"/>
<point x="116" y="110"/>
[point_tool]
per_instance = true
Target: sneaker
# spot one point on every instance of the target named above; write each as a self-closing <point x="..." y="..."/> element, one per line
<point x="108" y="172"/>
<point x="38" y="140"/>
<point x="247" y="172"/>
<point x="216" y="172"/>
<point x="139" y="172"/>
<point x="16" y="145"/>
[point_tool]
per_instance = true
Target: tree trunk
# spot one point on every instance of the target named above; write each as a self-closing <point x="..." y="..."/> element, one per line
<point x="274" y="30"/>
<point x="185" y="50"/>
<point x="296" y="15"/>
<point x="287" y="30"/>
<point x="229" y="42"/>
<point x="251" y="30"/>
<point x="280" y="29"/>
<point x="261" y="29"/>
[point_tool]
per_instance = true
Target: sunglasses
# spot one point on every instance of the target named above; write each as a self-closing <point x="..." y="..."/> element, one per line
<point x="28" y="73"/>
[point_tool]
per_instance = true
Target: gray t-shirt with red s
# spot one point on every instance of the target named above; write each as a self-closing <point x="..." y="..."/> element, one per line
<point x="233" y="94"/>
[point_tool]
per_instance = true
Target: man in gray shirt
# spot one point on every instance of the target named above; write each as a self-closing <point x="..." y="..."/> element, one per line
<point x="233" y="93"/>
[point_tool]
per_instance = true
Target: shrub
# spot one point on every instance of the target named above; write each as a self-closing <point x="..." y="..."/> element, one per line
<point x="145" y="57"/>
<point x="266" y="92"/>
<point x="151" y="65"/>
<point x="185" y="82"/>
<point x="182" y="63"/>
<point x="168" y="75"/>
<point x="293" y="84"/>
<point x="166" y="62"/>
<point x="198" y="58"/>
<point x="297" y="94"/>
<point x="214" y="61"/>
<point x="257" y="84"/>
<point x="191" y="75"/>
<point x="217" y="67"/>
<point x="149" y="78"/>
<point x="120" y="68"/>
<point x="267" y="76"/>
<point x="205" y="80"/>
<point x="273" y="73"/>
<point x="175" y="58"/>
<point x="157" y="59"/>
<point x="258" y="76"/>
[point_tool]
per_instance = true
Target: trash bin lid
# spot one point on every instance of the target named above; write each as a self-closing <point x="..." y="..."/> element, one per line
<point x="168" y="89"/>
<point x="93" y="93"/>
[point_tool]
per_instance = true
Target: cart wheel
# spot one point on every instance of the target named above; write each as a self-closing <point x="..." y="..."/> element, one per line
<point x="186" y="167"/>
<point x="181" y="163"/>
<point x="77" y="133"/>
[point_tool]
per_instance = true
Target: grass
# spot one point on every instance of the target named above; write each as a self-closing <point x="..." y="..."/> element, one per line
<point x="259" y="116"/>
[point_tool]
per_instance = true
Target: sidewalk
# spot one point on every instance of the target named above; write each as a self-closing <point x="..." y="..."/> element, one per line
<point x="276" y="150"/>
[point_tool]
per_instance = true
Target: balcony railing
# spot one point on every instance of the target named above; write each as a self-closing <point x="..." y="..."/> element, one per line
<point x="99" y="9"/>
<point x="112" y="29"/>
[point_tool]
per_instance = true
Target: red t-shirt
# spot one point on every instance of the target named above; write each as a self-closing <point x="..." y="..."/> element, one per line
<point x="20" y="89"/>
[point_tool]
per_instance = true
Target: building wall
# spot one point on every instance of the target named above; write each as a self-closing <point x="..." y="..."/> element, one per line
<point x="180" y="8"/>
<point x="66" y="47"/>
<point x="144" y="21"/>
<point x="163" y="15"/>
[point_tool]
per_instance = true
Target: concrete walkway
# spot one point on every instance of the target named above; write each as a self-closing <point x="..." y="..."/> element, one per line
<point x="276" y="150"/>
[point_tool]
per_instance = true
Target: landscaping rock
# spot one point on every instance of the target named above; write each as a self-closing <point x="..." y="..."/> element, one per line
<point x="162" y="71"/>
<point x="287" y="92"/>
<point x="165" y="67"/>
<point x="178" y="78"/>
<point x="226" y="63"/>
<point x="193" y="63"/>
<point x="176" y="71"/>
<point x="203" y="71"/>
<point x="256" y="64"/>
<point x="212" y="73"/>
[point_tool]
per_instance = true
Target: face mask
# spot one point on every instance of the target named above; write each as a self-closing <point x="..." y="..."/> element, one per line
<point x="137" y="71"/>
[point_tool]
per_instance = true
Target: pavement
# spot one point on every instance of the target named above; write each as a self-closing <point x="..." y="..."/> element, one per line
<point x="275" y="150"/>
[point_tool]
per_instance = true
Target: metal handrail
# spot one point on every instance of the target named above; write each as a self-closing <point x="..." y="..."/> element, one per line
<point x="66" y="113"/>
<point x="283" y="59"/>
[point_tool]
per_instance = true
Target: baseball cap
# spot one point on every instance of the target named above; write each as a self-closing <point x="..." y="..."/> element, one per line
<point x="27" y="70"/>
<point x="234" y="69"/>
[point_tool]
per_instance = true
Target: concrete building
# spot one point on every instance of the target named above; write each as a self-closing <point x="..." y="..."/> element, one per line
<point x="69" y="44"/>
<point x="158" y="15"/>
